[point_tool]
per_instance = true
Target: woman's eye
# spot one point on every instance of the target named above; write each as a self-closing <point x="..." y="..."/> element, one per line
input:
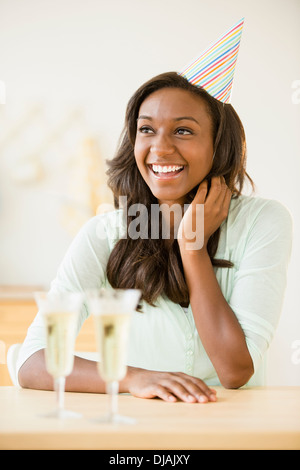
<point x="145" y="130"/>
<point x="183" y="131"/>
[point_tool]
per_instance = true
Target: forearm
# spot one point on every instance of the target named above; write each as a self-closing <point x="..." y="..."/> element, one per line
<point x="142" y="383"/>
<point x="83" y="378"/>
<point x="216" y="323"/>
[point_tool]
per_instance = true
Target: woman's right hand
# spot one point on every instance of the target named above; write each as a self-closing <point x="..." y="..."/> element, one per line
<point x="169" y="386"/>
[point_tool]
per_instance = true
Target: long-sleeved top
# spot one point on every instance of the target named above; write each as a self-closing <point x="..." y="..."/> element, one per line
<point x="256" y="237"/>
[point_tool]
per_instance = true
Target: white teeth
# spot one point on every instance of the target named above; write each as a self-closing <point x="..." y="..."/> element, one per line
<point x="165" y="168"/>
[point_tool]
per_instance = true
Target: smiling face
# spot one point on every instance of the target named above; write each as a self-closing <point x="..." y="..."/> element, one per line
<point x="174" y="143"/>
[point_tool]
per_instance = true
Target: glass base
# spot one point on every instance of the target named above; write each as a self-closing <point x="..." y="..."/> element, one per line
<point x="114" y="419"/>
<point x="62" y="414"/>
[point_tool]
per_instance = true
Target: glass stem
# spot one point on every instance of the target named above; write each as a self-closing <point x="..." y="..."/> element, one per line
<point x="112" y="389"/>
<point x="59" y="387"/>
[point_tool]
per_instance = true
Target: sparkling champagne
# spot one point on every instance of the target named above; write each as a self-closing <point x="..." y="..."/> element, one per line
<point x="112" y="338"/>
<point x="61" y="335"/>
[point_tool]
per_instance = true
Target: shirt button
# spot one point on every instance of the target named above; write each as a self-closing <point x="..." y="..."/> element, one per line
<point x="190" y="352"/>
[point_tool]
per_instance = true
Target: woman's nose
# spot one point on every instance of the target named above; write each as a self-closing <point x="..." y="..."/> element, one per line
<point x="162" y="145"/>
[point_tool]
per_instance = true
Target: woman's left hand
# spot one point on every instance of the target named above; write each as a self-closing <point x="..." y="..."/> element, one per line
<point x="196" y="227"/>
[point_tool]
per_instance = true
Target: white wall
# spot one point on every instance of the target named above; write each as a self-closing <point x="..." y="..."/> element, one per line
<point x="93" y="54"/>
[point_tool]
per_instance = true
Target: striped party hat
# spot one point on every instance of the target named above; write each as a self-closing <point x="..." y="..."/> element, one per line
<point x="214" y="69"/>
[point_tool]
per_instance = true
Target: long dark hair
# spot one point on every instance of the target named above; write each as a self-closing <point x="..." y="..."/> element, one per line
<point x="148" y="264"/>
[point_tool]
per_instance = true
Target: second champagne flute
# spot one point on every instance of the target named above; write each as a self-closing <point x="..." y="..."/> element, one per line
<point x="112" y="310"/>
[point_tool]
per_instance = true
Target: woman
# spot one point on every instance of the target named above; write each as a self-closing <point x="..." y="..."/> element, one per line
<point x="208" y="310"/>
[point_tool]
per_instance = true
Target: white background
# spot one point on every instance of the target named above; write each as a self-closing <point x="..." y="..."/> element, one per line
<point x="59" y="54"/>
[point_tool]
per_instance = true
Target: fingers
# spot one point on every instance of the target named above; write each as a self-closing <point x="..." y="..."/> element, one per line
<point x="219" y="190"/>
<point x="218" y="193"/>
<point x="219" y="196"/>
<point x="202" y="192"/>
<point x="197" y="388"/>
<point x="163" y="393"/>
<point x="186" y="388"/>
<point x="169" y="386"/>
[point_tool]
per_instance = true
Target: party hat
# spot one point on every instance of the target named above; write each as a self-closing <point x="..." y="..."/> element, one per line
<point x="214" y="69"/>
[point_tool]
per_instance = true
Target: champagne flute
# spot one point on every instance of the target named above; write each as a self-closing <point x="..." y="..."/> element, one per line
<point x="60" y="313"/>
<point x="112" y="310"/>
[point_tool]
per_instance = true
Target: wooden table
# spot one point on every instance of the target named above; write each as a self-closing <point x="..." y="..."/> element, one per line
<point x="258" y="418"/>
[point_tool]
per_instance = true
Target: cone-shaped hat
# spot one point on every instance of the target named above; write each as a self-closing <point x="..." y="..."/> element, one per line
<point x="214" y="69"/>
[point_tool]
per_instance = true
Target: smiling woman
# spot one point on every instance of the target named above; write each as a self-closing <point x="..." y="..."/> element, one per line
<point x="208" y="314"/>
<point x="171" y="123"/>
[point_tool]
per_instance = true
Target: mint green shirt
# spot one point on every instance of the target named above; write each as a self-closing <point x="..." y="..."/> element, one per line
<point x="256" y="237"/>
